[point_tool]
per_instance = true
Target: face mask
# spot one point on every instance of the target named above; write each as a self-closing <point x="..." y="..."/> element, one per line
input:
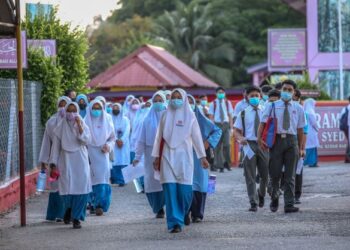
<point x="265" y="97"/>
<point x="193" y="107"/>
<point x="71" y="116"/>
<point x="176" y="103"/>
<point x="135" y="106"/>
<point x="61" y="112"/>
<point x="286" y="96"/>
<point x="204" y="102"/>
<point x="158" y="106"/>
<point x="109" y="110"/>
<point x="254" y="101"/>
<point x="116" y="112"/>
<point x="168" y="101"/>
<point x="96" y="112"/>
<point x="220" y="95"/>
<point x="82" y="106"/>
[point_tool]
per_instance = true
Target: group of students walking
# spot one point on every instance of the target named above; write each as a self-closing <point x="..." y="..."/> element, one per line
<point x="174" y="136"/>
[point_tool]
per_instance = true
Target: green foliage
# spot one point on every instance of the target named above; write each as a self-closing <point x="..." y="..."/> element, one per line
<point x="306" y="83"/>
<point x="42" y="69"/>
<point x="111" y="42"/>
<point x="72" y="46"/>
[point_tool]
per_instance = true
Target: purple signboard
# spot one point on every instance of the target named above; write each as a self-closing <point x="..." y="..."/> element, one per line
<point x="287" y="49"/>
<point x="332" y="140"/>
<point x="48" y="46"/>
<point x="8" y="52"/>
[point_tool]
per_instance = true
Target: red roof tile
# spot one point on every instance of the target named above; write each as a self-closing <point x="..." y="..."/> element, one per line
<point x="151" y="66"/>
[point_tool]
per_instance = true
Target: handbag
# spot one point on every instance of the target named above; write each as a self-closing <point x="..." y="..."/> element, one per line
<point x="270" y="130"/>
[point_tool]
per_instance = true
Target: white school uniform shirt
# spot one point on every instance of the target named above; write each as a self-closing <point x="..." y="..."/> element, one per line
<point x="296" y="114"/>
<point x="181" y="133"/>
<point x="249" y="121"/>
<point x="240" y="106"/>
<point x="216" y="112"/>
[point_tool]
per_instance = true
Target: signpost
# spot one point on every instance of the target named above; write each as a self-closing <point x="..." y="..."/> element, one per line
<point x="286" y="49"/>
<point x="8" y="52"/>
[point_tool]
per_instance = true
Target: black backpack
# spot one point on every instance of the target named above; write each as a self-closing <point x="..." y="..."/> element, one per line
<point x="343" y="126"/>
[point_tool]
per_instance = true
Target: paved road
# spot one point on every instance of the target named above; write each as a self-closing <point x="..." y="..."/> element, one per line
<point x="323" y="223"/>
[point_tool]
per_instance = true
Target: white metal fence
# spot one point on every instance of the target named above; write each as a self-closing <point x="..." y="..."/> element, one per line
<point x="9" y="160"/>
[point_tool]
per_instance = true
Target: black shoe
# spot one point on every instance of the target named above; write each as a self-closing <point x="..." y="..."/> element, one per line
<point x="253" y="208"/>
<point x="176" y="229"/>
<point x="67" y="216"/>
<point x="121" y="185"/>
<point x="99" y="211"/>
<point x="160" y="214"/>
<point x="76" y="224"/>
<point x="196" y="220"/>
<point x="297" y="201"/>
<point x="92" y="210"/>
<point x="227" y="166"/>
<point x="59" y="220"/>
<point x="261" y="200"/>
<point x="187" y="219"/>
<point x="221" y="170"/>
<point x="274" y="205"/>
<point x="291" y="209"/>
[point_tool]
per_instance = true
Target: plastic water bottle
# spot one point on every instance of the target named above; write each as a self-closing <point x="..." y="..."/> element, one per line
<point x="138" y="186"/>
<point x="41" y="183"/>
<point x="211" y="184"/>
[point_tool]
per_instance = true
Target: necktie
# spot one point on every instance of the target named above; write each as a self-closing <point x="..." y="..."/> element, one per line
<point x="286" y="117"/>
<point x="256" y="121"/>
<point x="222" y="115"/>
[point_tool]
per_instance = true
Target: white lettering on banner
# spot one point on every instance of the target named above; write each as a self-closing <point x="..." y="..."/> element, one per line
<point x="332" y="140"/>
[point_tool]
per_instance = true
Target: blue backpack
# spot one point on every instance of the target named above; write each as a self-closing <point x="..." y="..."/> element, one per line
<point x="343" y="125"/>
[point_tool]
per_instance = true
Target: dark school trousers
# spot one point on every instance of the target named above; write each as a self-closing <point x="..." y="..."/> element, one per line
<point x="222" y="152"/>
<point x="285" y="153"/>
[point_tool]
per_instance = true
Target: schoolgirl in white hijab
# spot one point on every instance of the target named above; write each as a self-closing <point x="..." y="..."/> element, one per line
<point x="127" y="104"/>
<point x="153" y="188"/>
<point x="69" y="154"/>
<point x="102" y="143"/>
<point x="55" y="208"/>
<point x="178" y="133"/>
<point x="122" y="145"/>
<point x="312" y="142"/>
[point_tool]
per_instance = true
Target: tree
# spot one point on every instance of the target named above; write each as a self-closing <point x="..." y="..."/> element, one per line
<point x="111" y="42"/>
<point x="72" y="46"/>
<point x="45" y="70"/>
<point x="188" y="33"/>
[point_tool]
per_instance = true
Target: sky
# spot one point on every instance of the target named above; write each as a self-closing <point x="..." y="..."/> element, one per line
<point x="78" y="12"/>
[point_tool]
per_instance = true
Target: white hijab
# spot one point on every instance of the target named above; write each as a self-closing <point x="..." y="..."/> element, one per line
<point x="68" y="132"/>
<point x="126" y="105"/>
<point x="178" y="122"/>
<point x="152" y="120"/>
<point x="118" y="120"/>
<point x="132" y="113"/>
<point x="309" y="106"/>
<point x="100" y="127"/>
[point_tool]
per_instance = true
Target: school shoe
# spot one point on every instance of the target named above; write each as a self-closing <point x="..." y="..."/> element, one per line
<point x="261" y="200"/>
<point x="187" y="219"/>
<point x="196" y="220"/>
<point x="121" y="185"/>
<point x="221" y="170"/>
<point x="274" y="205"/>
<point x="99" y="211"/>
<point x="253" y="208"/>
<point x="160" y="214"/>
<point x="59" y="220"/>
<point x="291" y="209"/>
<point x="227" y="166"/>
<point x="76" y="224"/>
<point x="67" y="216"/>
<point x="92" y="210"/>
<point x="176" y="229"/>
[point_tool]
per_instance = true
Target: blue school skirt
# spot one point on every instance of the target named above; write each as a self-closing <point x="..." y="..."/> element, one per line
<point x="77" y="203"/>
<point x="156" y="201"/>
<point x="101" y="196"/>
<point x="55" y="207"/>
<point x="311" y="157"/>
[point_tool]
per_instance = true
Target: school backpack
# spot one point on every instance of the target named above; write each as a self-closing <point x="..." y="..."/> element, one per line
<point x="343" y="125"/>
<point x="270" y="129"/>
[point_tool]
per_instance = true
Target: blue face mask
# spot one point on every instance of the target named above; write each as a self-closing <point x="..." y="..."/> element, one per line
<point x="286" y="96"/>
<point x="109" y="110"/>
<point x="176" y="103"/>
<point x="265" y="97"/>
<point x="204" y="102"/>
<point x="158" y="106"/>
<point x="193" y="107"/>
<point x="96" y="112"/>
<point x="254" y="101"/>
